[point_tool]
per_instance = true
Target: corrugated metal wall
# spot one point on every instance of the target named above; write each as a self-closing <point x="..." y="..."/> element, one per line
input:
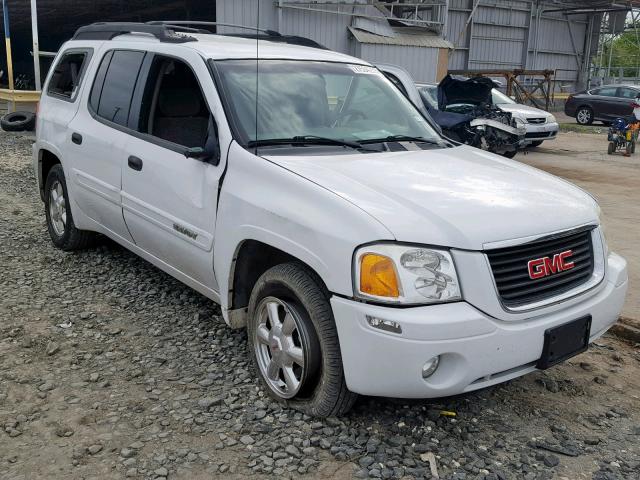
<point x="420" y="62"/>
<point x="501" y="35"/>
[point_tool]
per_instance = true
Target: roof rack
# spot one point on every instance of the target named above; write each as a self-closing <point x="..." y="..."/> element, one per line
<point x="110" y="30"/>
<point x="165" y="31"/>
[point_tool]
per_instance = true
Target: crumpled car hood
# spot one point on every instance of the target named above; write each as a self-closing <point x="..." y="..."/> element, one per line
<point x="476" y="90"/>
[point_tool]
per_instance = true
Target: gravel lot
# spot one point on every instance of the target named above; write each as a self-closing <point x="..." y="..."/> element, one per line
<point x="109" y="368"/>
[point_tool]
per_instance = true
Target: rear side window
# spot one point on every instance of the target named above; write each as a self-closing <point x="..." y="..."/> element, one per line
<point x="66" y="77"/>
<point x="607" y="91"/>
<point x="111" y="97"/>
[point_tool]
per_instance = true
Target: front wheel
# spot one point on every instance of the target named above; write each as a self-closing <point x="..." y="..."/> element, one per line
<point x="294" y="342"/>
<point x="584" y="116"/>
<point x="611" y="148"/>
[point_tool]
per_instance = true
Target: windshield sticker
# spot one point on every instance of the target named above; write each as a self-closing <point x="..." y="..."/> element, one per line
<point x="363" y="69"/>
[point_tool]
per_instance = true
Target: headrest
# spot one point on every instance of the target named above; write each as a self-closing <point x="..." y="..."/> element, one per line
<point x="179" y="102"/>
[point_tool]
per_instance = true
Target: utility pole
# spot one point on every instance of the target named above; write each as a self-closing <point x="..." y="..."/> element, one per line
<point x="7" y="41"/>
<point x="36" y="46"/>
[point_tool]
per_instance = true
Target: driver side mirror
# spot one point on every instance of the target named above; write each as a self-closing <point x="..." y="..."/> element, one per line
<point x="210" y="153"/>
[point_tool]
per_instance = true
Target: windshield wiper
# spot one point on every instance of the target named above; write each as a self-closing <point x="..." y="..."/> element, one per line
<point x="305" y="140"/>
<point x="403" y="138"/>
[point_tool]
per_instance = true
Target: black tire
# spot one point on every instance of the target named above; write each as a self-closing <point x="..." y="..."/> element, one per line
<point x="18" y="122"/>
<point x="537" y="143"/>
<point x="323" y="391"/>
<point x="629" y="148"/>
<point x="611" y="148"/>
<point x="71" y="238"/>
<point x="510" y="153"/>
<point x="633" y="146"/>
<point x="584" y="115"/>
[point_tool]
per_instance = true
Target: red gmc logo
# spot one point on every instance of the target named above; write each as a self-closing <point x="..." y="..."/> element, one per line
<point x="545" y="266"/>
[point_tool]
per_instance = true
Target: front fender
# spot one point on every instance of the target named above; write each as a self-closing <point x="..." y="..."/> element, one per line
<point x="263" y="201"/>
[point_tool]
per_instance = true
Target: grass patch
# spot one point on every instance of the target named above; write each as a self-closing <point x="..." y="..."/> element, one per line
<point x="574" y="127"/>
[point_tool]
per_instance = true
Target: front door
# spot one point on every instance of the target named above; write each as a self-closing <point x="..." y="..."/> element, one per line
<point x="169" y="200"/>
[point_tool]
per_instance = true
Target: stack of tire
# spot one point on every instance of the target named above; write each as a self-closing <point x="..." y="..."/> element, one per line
<point x="18" y="122"/>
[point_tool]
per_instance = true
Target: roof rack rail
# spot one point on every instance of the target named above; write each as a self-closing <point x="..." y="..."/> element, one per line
<point x="180" y="23"/>
<point x="261" y="34"/>
<point x="165" y="31"/>
<point x="110" y="30"/>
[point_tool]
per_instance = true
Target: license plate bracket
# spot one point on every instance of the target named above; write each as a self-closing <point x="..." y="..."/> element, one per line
<point x="565" y="341"/>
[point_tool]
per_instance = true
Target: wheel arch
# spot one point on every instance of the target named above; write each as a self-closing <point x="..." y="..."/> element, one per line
<point x="46" y="160"/>
<point x="250" y="260"/>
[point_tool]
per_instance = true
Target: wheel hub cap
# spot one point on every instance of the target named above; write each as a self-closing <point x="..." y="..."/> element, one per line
<point x="57" y="208"/>
<point x="278" y="347"/>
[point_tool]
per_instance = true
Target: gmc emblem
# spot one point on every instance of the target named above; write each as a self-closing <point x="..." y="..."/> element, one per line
<point x="545" y="266"/>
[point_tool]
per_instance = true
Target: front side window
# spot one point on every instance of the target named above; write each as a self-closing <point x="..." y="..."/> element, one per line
<point x="306" y="98"/>
<point x="173" y="106"/>
<point x="606" y="91"/>
<point x="65" y="78"/>
<point x="111" y="99"/>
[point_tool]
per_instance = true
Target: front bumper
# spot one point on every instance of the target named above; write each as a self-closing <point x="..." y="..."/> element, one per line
<point x="544" y="131"/>
<point x="476" y="350"/>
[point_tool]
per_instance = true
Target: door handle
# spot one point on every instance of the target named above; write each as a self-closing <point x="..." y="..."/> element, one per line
<point x="135" y="163"/>
<point x="76" y="138"/>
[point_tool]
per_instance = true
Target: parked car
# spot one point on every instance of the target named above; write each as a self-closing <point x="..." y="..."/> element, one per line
<point x="475" y="122"/>
<point x="364" y="253"/>
<point x="603" y="104"/>
<point x="539" y="124"/>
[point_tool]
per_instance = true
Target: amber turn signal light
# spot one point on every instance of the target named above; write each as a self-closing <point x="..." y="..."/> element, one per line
<point x="378" y="276"/>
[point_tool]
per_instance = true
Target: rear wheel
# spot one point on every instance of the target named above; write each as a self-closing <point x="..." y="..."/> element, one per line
<point x="611" y="148"/>
<point x="294" y="342"/>
<point x="633" y="146"/>
<point x="629" y="149"/>
<point x="62" y="229"/>
<point x="584" y="116"/>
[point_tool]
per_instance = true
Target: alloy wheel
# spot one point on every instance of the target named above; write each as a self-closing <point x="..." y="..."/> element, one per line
<point x="279" y="347"/>
<point x="583" y="116"/>
<point x="57" y="208"/>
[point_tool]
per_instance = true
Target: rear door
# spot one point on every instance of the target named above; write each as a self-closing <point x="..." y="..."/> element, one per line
<point x="62" y="96"/>
<point x="97" y="138"/>
<point x="605" y="103"/>
<point x="625" y="98"/>
<point x="170" y="200"/>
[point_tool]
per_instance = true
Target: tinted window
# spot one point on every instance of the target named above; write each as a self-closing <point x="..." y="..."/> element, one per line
<point x="627" y="93"/>
<point x="119" y="82"/>
<point x="66" y="76"/>
<point x="173" y="106"/>
<point x="606" y="91"/>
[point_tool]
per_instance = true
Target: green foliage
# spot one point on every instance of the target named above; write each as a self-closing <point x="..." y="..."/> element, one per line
<point x="625" y="54"/>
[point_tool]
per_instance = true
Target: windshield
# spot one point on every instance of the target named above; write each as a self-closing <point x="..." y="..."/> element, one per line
<point x="497" y="97"/>
<point x="317" y="99"/>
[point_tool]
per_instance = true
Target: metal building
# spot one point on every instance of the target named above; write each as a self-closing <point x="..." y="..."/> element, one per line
<point x="428" y="36"/>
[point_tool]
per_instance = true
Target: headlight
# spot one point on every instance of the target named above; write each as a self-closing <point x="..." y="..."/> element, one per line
<point x="519" y="121"/>
<point x="551" y="119"/>
<point x="405" y="274"/>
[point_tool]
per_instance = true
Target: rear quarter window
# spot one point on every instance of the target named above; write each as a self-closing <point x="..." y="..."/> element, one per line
<point x="67" y="74"/>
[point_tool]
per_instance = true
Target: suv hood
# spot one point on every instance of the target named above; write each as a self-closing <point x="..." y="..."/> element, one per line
<point x="523" y="111"/>
<point x="458" y="197"/>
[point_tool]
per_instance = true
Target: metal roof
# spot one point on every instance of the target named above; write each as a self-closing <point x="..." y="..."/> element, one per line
<point x="403" y="36"/>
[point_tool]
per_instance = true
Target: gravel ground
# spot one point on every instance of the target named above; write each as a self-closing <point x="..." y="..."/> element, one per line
<point x="109" y="368"/>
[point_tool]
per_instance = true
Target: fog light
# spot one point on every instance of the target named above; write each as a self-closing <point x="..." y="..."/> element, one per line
<point x="430" y="367"/>
<point x="385" y="325"/>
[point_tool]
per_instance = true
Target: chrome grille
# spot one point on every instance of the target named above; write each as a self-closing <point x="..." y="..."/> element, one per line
<point x="537" y="120"/>
<point x="511" y="270"/>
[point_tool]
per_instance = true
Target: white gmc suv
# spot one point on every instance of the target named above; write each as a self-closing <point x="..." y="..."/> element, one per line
<point x="308" y="197"/>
